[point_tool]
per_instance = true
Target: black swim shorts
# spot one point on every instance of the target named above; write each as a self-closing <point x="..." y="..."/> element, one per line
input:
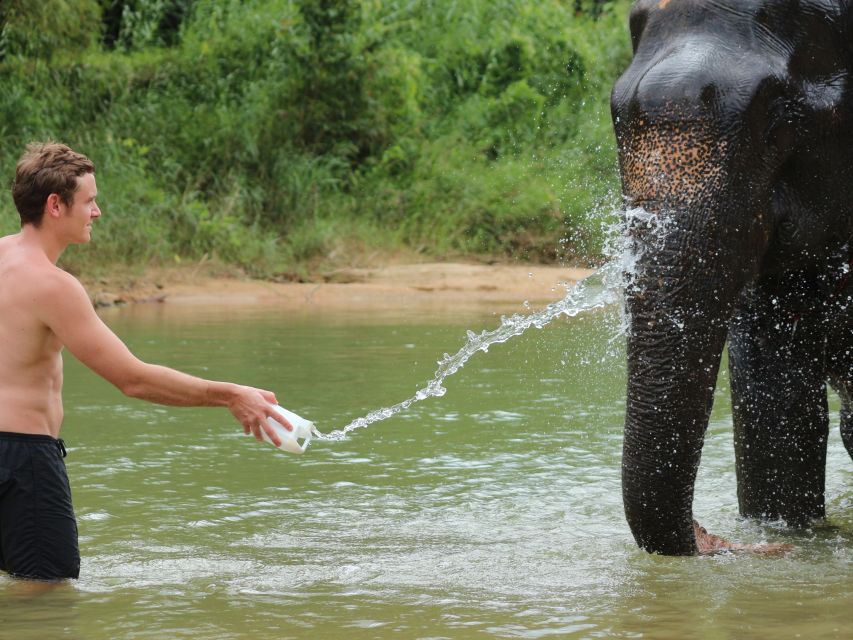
<point x="38" y="531"/>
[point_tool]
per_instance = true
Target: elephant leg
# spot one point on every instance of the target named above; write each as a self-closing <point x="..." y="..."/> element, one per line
<point x="779" y="405"/>
<point x="839" y="352"/>
<point x="847" y="423"/>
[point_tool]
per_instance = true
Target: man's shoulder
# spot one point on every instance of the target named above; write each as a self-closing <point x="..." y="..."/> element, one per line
<point x="57" y="298"/>
<point x="47" y="283"/>
<point x="30" y="279"/>
<point x="58" y="280"/>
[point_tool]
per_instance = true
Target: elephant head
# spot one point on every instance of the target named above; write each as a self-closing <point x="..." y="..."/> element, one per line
<point x="733" y="125"/>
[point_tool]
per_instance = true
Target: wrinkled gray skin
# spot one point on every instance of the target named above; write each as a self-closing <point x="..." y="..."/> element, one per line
<point x="733" y="123"/>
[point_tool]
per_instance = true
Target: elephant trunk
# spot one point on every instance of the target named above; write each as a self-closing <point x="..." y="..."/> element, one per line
<point x="677" y="331"/>
<point x="689" y="242"/>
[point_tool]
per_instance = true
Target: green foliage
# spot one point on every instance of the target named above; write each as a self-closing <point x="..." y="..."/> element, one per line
<point x="134" y="24"/>
<point x="330" y="76"/>
<point x="269" y="132"/>
<point x="46" y="28"/>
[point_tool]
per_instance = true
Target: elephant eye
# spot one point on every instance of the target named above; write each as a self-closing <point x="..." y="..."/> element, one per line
<point x="774" y="113"/>
<point x="783" y="118"/>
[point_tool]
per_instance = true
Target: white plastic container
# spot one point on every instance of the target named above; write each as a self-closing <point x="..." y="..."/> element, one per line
<point x="290" y="440"/>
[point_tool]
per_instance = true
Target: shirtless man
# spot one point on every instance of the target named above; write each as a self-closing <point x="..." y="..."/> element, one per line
<point x="43" y="310"/>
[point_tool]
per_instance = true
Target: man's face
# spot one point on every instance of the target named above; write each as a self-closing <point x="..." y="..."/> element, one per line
<point x="83" y="209"/>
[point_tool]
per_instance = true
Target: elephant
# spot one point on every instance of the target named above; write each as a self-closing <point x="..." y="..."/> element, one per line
<point x="735" y="149"/>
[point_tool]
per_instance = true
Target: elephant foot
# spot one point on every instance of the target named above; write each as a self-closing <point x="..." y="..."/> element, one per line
<point x="709" y="544"/>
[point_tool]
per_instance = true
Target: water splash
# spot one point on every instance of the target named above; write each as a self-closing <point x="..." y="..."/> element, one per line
<point x="598" y="290"/>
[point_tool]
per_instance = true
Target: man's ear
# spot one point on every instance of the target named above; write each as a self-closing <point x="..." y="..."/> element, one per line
<point x="53" y="205"/>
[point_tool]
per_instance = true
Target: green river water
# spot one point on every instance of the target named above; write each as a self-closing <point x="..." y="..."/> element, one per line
<point x="492" y="512"/>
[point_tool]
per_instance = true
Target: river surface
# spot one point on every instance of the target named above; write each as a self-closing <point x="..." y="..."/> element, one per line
<point x="492" y="512"/>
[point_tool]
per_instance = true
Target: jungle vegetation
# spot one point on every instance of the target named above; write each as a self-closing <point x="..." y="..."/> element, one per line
<point x="279" y="135"/>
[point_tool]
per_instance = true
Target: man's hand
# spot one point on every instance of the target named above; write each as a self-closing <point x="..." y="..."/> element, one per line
<point x="252" y="407"/>
<point x="709" y="544"/>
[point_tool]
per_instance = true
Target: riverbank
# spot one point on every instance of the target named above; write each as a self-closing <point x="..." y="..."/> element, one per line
<point x="389" y="286"/>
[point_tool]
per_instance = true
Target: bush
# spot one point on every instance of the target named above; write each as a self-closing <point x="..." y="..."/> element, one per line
<point x="41" y="30"/>
<point x="267" y="131"/>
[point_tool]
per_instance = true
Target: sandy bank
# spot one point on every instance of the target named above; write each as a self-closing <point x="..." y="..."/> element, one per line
<point x="392" y="286"/>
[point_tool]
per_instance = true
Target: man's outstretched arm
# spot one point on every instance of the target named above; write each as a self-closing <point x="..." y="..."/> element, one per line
<point x="65" y="307"/>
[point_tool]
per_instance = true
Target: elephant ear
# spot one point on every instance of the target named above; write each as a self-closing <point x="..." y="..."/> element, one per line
<point x="807" y="84"/>
<point x="819" y="36"/>
<point x="639" y="18"/>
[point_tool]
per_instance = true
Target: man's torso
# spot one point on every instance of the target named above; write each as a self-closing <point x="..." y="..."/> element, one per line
<point x="30" y="353"/>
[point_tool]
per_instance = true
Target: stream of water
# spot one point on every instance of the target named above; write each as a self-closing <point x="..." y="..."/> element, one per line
<point x="598" y="290"/>
<point x="602" y="288"/>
